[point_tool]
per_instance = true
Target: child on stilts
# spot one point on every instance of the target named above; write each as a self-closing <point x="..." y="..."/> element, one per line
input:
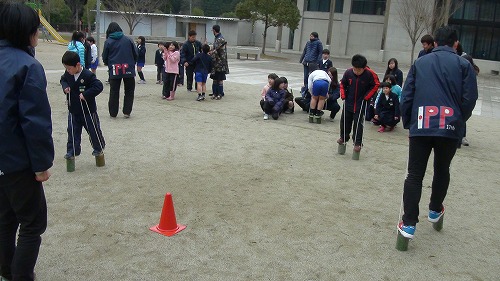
<point x="81" y="87"/>
<point x="357" y="86"/>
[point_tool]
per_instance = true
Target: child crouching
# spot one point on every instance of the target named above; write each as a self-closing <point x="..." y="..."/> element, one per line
<point x="81" y="87"/>
<point x="387" y="109"/>
<point x="275" y="97"/>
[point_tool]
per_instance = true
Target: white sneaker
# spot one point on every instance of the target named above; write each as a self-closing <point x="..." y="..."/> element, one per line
<point x="465" y="142"/>
<point x="266" y="116"/>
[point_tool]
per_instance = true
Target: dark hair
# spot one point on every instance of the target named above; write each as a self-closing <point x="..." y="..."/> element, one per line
<point x="176" y="45"/>
<point x="277" y="82"/>
<point x="427" y="39"/>
<point x="143" y="40"/>
<point x="112" y="28"/>
<point x="445" y="36"/>
<point x="77" y="36"/>
<point x="335" y="77"/>
<point x="216" y="28"/>
<point x="162" y="43"/>
<point x="385" y="84"/>
<point x="392" y="77"/>
<point x="18" y="23"/>
<point x="284" y="79"/>
<point x="325" y="51"/>
<point x="469" y="58"/>
<point x="388" y="70"/>
<point x="315" y="34"/>
<point x="205" y="48"/>
<point x="460" y="50"/>
<point x="70" y="58"/>
<point x="359" y="61"/>
<point x="91" y="39"/>
<point x="273" y="76"/>
<point x="192" y="32"/>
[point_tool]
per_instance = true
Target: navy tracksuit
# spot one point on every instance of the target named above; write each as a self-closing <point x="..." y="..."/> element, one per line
<point x="83" y="114"/>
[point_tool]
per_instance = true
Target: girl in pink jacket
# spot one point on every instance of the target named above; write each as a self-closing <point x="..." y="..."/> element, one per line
<point x="171" y="56"/>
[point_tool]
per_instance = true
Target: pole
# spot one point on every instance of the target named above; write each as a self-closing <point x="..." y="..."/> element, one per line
<point x="98" y="25"/>
<point x="330" y="24"/>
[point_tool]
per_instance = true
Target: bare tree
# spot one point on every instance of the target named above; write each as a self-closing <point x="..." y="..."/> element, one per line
<point x="132" y="10"/>
<point x="412" y="15"/>
<point x="422" y="16"/>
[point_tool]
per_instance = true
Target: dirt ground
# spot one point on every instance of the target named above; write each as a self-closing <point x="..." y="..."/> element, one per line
<point x="262" y="200"/>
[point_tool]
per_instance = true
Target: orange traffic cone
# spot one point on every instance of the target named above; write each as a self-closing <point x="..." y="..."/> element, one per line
<point x="168" y="224"/>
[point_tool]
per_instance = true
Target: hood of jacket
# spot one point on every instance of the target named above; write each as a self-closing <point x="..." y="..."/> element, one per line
<point x="116" y="35"/>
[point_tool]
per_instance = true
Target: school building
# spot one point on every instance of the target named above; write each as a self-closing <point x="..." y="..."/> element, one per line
<point x="369" y="27"/>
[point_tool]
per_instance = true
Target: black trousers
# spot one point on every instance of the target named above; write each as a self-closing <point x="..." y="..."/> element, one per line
<point x="354" y="121"/>
<point x="93" y="127"/>
<point x="114" y="95"/>
<point x="169" y="83"/>
<point x="23" y="206"/>
<point x="159" y="72"/>
<point x="190" y="77"/>
<point x="419" y="152"/>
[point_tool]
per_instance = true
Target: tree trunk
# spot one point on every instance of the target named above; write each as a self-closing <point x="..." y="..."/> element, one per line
<point x="266" y="25"/>
<point x="279" y="36"/>
<point x="412" y="51"/>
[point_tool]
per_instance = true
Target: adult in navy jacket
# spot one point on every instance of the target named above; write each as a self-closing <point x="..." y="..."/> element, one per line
<point x="26" y="146"/>
<point x="311" y="56"/>
<point x="188" y="51"/>
<point x="439" y="95"/>
<point x="120" y="55"/>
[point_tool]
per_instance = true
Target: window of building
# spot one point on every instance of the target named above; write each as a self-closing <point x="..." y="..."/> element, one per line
<point x="324" y="6"/>
<point x="368" y="7"/>
<point x="478" y="26"/>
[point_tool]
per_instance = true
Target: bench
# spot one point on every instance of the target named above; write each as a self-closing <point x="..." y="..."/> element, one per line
<point x="249" y="51"/>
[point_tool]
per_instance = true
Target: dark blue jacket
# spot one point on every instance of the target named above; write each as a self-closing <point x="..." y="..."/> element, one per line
<point x="202" y="63"/>
<point x="312" y="52"/>
<point x="276" y="97"/>
<point x="398" y="74"/>
<point x="141" y="53"/>
<point x="325" y="66"/>
<point x="120" y="55"/>
<point x="354" y="89"/>
<point x="189" y="50"/>
<point x="439" y="95"/>
<point x="387" y="109"/>
<point x="423" y="52"/>
<point x="159" y="58"/>
<point x="25" y="117"/>
<point x="88" y="84"/>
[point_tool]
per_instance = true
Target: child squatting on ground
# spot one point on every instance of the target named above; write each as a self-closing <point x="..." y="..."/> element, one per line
<point x="275" y="97"/>
<point x="357" y="86"/>
<point x="81" y="87"/>
<point x="270" y="81"/>
<point x="387" y="109"/>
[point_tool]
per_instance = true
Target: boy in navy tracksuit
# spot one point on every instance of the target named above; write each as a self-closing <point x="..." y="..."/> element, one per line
<point x="81" y="87"/>
<point x="325" y="62"/>
<point x="357" y="86"/>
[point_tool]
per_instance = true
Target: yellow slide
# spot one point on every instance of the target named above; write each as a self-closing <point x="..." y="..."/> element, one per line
<point x="51" y="30"/>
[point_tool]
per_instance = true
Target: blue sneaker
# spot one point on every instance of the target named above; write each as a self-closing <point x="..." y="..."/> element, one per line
<point x="435" y="216"/>
<point x="408" y="231"/>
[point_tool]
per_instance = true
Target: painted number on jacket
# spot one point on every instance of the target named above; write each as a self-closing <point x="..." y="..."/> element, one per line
<point x="117" y="67"/>
<point x="425" y="113"/>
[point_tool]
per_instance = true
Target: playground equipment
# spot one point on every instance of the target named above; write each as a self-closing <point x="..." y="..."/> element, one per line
<point x="46" y="24"/>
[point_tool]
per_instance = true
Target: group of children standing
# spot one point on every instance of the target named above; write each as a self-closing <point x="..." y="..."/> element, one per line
<point x="167" y="61"/>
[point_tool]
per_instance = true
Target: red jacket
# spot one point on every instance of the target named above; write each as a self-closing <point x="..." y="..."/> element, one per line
<point x="354" y="89"/>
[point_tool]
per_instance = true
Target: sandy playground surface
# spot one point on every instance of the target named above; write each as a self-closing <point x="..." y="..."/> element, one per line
<point x="262" y="200"/>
